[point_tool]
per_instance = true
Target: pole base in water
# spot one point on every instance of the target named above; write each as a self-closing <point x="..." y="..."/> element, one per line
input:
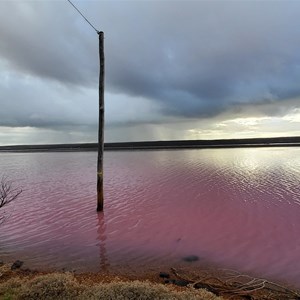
<point x="100" y="208"/>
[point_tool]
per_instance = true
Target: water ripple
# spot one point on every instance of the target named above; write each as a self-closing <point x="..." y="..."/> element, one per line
<point x="238" y="208"/>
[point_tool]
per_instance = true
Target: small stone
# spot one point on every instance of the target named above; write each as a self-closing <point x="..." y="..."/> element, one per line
<point x="16" y="265"/>
<point x="1" y="263"/>
<point x="181" y="282"/>
<point x="199" y="285"/>
<point x="191" y="258"/>
<point x="164" y="275"/>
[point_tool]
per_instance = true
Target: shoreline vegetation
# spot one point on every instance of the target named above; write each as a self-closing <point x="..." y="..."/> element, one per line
<point x="17" y="282"/>
<point x="30" y="284"/>
<point x="154" y="145"/>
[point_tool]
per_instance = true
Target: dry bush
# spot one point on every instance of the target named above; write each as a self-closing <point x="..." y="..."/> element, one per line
<point x="65" y="286"/>
<point x="235" y="285"/>
<point x="7" y="194"/>
<point x="144" y="291"/>
<point x="52" y="286"/>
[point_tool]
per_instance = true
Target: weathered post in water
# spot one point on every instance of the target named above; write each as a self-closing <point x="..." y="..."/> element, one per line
<point x="100" y="125"/>
<point x="101" y="114"/>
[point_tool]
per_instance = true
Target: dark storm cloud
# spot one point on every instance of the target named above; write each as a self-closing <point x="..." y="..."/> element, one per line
<point x="201" y="58"/>
<point x="44" y="39"/>
<point x="194" y="59"/>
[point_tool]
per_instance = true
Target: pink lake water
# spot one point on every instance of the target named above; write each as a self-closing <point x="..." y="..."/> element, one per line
<point x="233" y="208"/>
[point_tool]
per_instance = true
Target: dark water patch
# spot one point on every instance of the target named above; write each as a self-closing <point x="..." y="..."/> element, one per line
<point x="190" y="258"/>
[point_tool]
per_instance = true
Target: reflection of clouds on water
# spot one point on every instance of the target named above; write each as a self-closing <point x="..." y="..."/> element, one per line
<point x="250" y="174"/>
<point x="250" y="159"/>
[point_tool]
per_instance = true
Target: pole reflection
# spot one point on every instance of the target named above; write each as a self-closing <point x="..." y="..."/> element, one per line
<point x="101" y="236"/>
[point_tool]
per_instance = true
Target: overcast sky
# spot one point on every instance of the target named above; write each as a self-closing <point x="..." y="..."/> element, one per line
<point x="174" y="70"/>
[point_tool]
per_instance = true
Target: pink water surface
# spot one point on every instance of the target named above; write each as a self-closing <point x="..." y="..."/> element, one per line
<point x="233" y="208"/>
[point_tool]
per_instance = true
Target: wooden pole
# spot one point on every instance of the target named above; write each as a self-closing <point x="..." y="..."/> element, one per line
<point x="100" y="125"/>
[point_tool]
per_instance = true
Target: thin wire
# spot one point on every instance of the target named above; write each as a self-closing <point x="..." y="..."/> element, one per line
<point x="84" y="17"/>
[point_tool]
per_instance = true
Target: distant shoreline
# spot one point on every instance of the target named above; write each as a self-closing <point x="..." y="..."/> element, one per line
<point x="156" y="145"/>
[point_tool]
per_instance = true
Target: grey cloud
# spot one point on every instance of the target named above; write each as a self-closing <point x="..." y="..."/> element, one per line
<point x="43" y="104"/>
<point x="43" y="38"/>
<point x="245" y="53"/>
<point x="192" y="59"/>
